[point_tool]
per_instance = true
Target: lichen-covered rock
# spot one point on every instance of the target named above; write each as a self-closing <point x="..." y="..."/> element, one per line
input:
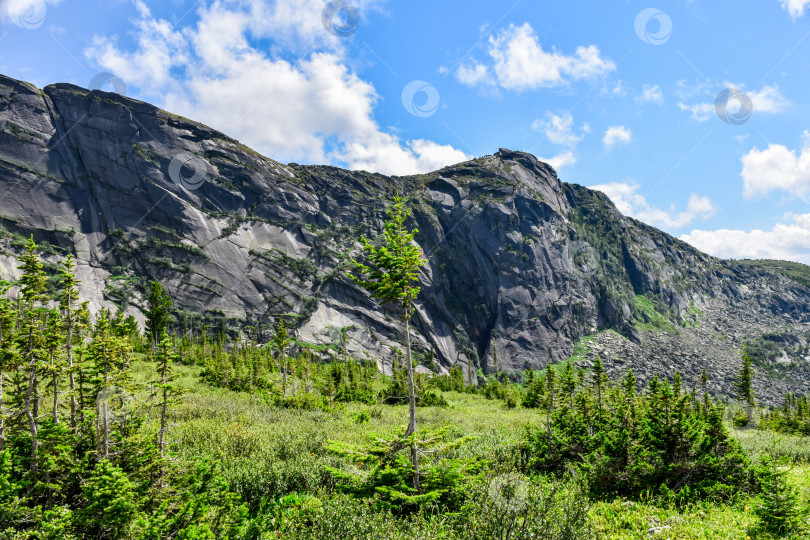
<point x="517" y="260"/>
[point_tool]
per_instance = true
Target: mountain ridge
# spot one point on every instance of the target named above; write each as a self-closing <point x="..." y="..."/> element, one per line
<point x="517" y="259"/>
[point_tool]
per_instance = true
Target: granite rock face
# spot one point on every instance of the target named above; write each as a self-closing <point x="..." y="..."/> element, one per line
<point x="518" y="261"/>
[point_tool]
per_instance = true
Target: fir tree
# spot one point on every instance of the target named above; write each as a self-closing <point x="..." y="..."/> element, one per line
<point x="9" y="355"/>
<point x="165" y="387"/>
<point x="599" y="378"/>
<point x="68" y="299"/>
<point x="32" y="290"/>
<point x="157" y="312"/>
<point x="394" y="266"/>
<point x="745" y="391"/>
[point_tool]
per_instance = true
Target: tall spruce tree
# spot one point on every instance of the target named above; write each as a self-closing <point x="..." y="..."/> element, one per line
<point x="599" y="379"/>
<point x="32" y="290"/>
<point x="157" y="312"/>
<point x="9" y="355"/>
<point x="167" y="390"/>
<point x="68" y="303"/>
<point x="394" y="266"/>
<point x="745" y="391"/>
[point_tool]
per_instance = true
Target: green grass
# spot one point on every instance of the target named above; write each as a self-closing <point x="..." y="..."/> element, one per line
<point x="649" y="318"/>
<point x="269" y="451"/>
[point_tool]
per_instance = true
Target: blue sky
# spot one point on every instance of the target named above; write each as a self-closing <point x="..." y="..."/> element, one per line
<point x="616" y="95"/>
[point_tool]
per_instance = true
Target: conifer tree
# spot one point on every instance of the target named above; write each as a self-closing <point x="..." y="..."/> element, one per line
<point x="599" y="382"/>
<point x="167" y="390"/>
<point x="52" y="338"/>
<point x="68" y="298"/>
<point x="550" y="395"/>
<point x="745" y="391"/>
<point x="9" y="356"/>
<point x="704" y="386"/>
<point x="394" y="267"/>
<point x="32" y="290"/>
<point x="157" y="312"/>
<point x="568" y="383"/>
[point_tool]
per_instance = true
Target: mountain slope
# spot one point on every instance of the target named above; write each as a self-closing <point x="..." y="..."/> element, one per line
<point x="518" y="261"/>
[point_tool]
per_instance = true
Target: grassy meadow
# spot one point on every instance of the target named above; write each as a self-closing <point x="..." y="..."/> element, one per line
<point x="264" y="450"/>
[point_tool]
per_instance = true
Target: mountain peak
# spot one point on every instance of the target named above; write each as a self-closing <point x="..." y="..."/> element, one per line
<point x="517" y="260"/>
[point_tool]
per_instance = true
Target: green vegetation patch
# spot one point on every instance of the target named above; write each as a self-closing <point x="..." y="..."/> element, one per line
<point x="648" y="317"/>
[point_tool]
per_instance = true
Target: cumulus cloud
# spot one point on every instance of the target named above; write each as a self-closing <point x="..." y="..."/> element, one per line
<point x="785" y="241"/>
<point x="616" y="135"/>
<point x="777" y="168"/>
<point x="650" y="93"/>
<point x="559" y="128"/>
<point x="795" y="7"/>
<point x="631" y="203"/>
<point x="769" y="100"/>
<point x="519" y="62"/>
<point x="561" y="160"/>
<point x="310" y="109"/>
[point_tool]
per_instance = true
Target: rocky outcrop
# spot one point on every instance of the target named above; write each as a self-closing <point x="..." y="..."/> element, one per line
<point x="517" y="261"/>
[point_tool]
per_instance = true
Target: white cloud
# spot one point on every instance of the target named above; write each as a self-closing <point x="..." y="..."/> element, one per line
<point x="560" y="160"/>
<point x="701" y="112"/>
<point x="631" y="203"/>
<point x="786" y="241"/>
<point x="473" y="75"/>
<point x="615" y="135"/>
<point x="650" y="93"/>
<point x="617" y="90"/>
<point x="311" y="109"/>
<point x="559" y="128"/>
<point x="777" y="168"/>
<point x="795" y="7"/>
<point x="520" y="63"/>
<point x="767" y="100"/>
<point x="686" y="90"/>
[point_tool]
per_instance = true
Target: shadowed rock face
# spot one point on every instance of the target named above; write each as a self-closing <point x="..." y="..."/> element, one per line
<point x="518" y="262"/>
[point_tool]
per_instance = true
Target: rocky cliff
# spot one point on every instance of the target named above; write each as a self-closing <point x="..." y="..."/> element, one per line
<point x="518" y="261"/>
